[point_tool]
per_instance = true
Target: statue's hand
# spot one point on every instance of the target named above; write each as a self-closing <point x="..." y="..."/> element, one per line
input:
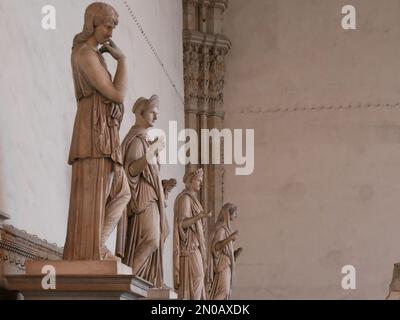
<point x="234" y="236"/>
<point x="112" y="49"/>
<point x="156" y="147"/>
<point x="168" y="185"/>
<point x="238" y="252"/>
<point x="117" y="111"/>
<point x="206" y="214"/>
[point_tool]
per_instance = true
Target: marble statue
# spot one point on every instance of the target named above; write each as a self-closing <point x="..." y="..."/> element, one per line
<point x="189" y="254"/>
<point x="223" y="256"/>
<point x="394" y="289"/>
<point x="99" y="187"/>
<point x="144" y="228"/>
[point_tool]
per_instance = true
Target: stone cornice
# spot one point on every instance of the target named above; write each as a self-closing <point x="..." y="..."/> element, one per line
<point x="16" y="246"/>
<point x="219" y="114"/>
<point x="221" y="4"/>
<point x="199" y="38"/>
<point x="25" y="237"/>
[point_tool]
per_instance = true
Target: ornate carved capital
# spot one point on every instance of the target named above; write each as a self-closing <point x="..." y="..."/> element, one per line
<point x="206" y="39"/>
<point x="204" y="70"/>
<point x="220" y="4"/>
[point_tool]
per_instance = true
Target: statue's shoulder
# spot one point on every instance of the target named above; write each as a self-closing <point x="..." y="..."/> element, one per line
<point x="182" y="200"/>
<point x="133" y="140"/>
<point x="179" y="196"/>
<point x="219" y="233"/>
<point x="139" y="137"/>
<point x="84" y="52"/>
<point x="184" y="196"/>
<point x="132" y="146"/>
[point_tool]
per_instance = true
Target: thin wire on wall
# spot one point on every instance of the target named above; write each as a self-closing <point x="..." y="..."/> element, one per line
<point x="154" y="51"/>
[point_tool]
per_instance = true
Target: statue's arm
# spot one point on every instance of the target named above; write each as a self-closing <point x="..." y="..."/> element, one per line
<point x="188" y="222"/>
<point x="185" y="213"/>
<point x="99" y="78"/>
<point x="144" y="155"/>
<point x="136" y="157"/>
<point x="222" y="244"/>
<point x="137" y="166"/>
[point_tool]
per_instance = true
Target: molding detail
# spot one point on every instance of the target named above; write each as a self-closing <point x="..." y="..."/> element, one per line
<point x="358" y="106"/>
<point x="17" y="246"/>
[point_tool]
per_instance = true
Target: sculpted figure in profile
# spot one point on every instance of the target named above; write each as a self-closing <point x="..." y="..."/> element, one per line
<point x="189" y="240"/>
<point x="144" y="228"/>
<point x="99" y="190"/>
<point x="223" y="256"/>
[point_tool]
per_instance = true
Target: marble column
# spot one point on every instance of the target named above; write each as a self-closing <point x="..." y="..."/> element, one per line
<point x="205" y="48"/>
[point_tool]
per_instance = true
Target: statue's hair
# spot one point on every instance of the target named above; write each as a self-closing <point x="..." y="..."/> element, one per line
<point x="96" y="14"/>
<point x="226" y="208"/>
<point x="142" y="103"/>
<point x="191" y="173"/>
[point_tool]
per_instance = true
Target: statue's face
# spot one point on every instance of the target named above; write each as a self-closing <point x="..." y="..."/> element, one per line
<point x="104" y="32"/>
<point x="150" y="116"/>
<point x="195" y="183"/>
<point x="233" y="215"/>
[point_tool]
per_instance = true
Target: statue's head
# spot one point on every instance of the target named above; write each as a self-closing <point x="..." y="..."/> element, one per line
<point x="146" y="111"/>
<point x="100" y="21"/>
<point x="193" y="179"/>
<point x="228" y="213"/>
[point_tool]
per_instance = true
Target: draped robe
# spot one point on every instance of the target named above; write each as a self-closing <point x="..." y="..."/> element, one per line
<point x="99" y="188"/>
<point x="222" y="264"/>
<point x="143" y="228"/>
<point x="189" y="249"/>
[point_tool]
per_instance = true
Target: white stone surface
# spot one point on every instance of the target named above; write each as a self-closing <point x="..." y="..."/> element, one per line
<point x="38" y="107"/>
<point x="325" y="191"/>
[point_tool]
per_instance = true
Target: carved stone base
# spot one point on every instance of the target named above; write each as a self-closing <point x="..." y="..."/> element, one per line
<point x="79" y="280"/>
<point x="393" y="295"/>
<point x="162" y="294"/>
<point x="79" y="287"/>
<point x="16" y="247"/>
<point x="9" y="295"/>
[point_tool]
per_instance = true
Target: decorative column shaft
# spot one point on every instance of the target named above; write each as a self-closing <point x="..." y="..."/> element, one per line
<point x="205" y="48"/>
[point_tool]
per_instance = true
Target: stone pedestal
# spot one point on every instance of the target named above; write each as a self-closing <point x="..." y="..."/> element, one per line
<point x="79" y="280"/>
<point x="394" y="289"/>
<point x="162" y="294"/>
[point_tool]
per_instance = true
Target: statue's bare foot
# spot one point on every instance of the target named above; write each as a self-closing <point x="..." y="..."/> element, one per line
<point x="107" y="255"/>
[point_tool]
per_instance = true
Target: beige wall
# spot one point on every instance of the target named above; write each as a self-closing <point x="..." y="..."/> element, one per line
<point x="325" y="191"/>
<point x="38" y="105"/>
